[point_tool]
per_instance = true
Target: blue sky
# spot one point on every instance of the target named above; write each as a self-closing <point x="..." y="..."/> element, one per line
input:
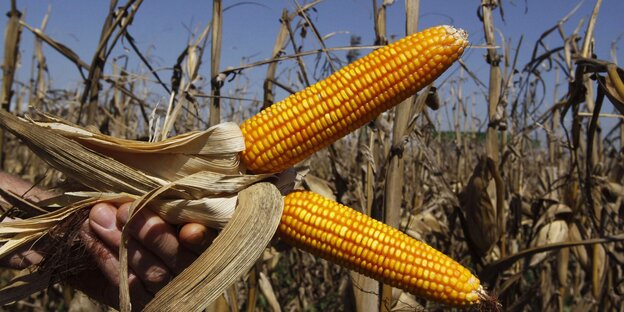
<point x="162" y="29"/>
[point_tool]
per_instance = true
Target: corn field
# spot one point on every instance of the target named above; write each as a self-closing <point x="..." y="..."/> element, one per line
<point x="511" y="163"/>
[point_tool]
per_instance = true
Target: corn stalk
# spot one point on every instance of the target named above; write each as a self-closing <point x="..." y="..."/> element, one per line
<point x="396" y="164"/>
<point x="494" y="115"/>
<point x="216" y="81"/>
<point x="12" y="35"/>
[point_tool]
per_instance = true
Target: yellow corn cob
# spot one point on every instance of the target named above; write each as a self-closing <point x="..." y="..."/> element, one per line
<point x="295" y="128"/>
<point x="344" y="236"/>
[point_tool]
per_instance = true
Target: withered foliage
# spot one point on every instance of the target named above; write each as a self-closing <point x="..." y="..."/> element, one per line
<point x="534" y="205"/>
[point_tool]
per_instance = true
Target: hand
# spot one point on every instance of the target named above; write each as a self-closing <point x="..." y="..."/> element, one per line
<point x="156" y="252"/>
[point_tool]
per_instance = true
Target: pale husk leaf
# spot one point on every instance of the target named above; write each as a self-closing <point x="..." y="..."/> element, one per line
<point x="194" y="177"/>
<point x="215" y="149"/>
<point x="553" y="232"/>
<point x="232" y="254"/>
<point x="18" y="232"/>
<point x="269" y="294"/>
<point x="91" y="169"/>
<point x="580" y="252"/>
<point x="319" y="186"/>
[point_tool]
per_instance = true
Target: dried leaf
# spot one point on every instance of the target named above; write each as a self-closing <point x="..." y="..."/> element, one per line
<point x="18" y="233"/>
<point x="553" y="232"/>
<point x="580" y="252"/>
<point x="215" y="149"/>
<point x="319" y="186"/>
<point x="554" y="212"/>
<point x="479" y="210"/>
<point x="269" y="294"/>
<point x="615" y="86"/>
<point x="599" y="269"/>
<point x="423" y="224"/>
<point x="614" y="188"/>
<point x="407" y="303"/>
<point x="232" y="253"/>
<point x="91" y="169"/>
<point x="61" y="48"/>
<point x="23" y="285"/>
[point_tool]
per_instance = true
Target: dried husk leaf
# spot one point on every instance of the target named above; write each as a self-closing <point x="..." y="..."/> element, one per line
<point x="571" y="195"/>
<point x="22" y="204"/>
<point x="269" y="294"/>
<point x="547" y="287"/>
<point x="614" y="188"/>
<point x="207" y="183"/>
<point x="556" y="211"/>
<point x="204" y="165"/>
<point x="580" y="252"/>
<point x="212" y="212"/>
<point x="479" y="210"/>
<point x="553" y="232"/>
<point x="615" y="87"/>
<point x="423" y="224"/>
<point x="319" y="186"/>
<point x="200" y="182"/>
<point x="215" y="149"/>
<point x="599" y="269"/>
<point x="17" y="233"/>
<point x="232" y="253"/>
<point x="407" y="303"/>
<point x="91" y="169"/>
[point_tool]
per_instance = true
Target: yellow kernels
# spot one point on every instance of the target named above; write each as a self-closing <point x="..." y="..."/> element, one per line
<point x="355" y="93"/>
<point x="343" y="235"/>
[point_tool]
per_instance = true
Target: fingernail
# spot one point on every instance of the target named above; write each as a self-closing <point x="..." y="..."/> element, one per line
<point x="103" y="216"/>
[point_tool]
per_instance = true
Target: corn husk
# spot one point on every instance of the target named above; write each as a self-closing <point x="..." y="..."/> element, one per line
<point x="254" y="222"/>
<point x="193" y="177"/>
<point x="269" y="294"/>
<point x="553" y="232"/>
<point x="214" y="150"/>
<point x="476" y="202"/>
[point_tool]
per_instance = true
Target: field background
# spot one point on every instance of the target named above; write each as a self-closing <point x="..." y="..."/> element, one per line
<point x="512" y="165"/>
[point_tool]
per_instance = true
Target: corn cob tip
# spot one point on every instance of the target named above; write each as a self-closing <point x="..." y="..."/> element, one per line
<point x="487" y="302"/>
<point x="460" y="35"/>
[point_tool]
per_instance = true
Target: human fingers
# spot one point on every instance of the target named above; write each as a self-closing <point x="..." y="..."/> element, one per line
<point x="196" y="237"/>
<point x="103" y="284"/>
<point x="152" y="232"/>
<point x="21" y="258"/>
<point x="16" y="185"/>
<point x="151" y="270"/>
